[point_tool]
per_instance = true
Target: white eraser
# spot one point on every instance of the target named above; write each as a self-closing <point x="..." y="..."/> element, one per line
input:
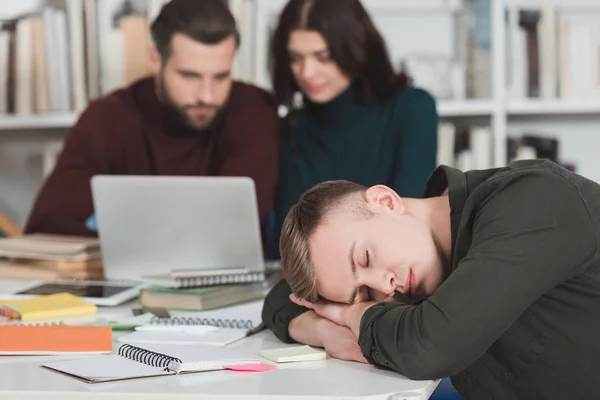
<point x="294" y="354"/>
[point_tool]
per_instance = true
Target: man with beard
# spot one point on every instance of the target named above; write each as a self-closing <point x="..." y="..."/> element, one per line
<point x="188" y="118"/>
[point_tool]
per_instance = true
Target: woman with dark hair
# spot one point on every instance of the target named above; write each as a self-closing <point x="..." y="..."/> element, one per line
<point x="357" y="119"/>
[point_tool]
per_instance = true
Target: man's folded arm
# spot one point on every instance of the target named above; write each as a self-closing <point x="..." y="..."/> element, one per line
<point x="64" y="202"/>
<point x="522" y="247"/>
<point x="279" y="310"/>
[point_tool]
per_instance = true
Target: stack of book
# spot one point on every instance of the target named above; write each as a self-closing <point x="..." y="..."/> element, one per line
<point x="50" y="257"/>
<point x="204" y="290"/>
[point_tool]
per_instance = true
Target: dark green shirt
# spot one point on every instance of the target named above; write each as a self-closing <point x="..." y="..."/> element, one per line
<point x="519" y="315"/>
<point x="392" y="143"/>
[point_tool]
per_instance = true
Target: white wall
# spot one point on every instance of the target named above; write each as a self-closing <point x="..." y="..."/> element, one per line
<point x="12" y="9"/>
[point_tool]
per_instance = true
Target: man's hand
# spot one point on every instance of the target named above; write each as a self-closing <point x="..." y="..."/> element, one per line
<point x="342" y="314"/>
<point x="338" y="341"/>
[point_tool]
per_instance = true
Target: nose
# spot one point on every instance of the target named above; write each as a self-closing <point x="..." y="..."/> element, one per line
<point x="206" y="93"/>
<point x="308" y="68"/>
<point x="384" y="282"/>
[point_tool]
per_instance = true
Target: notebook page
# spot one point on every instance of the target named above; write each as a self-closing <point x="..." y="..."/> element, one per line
<point x="250" y="311"/>
<point x="201" y="357"/>
<point x="106" y="368"/>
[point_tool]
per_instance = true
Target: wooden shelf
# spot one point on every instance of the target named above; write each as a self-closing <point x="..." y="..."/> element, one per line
<point x="38" y="121"/>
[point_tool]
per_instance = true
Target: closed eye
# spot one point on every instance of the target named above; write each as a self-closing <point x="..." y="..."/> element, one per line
<point x="367" y="259"/>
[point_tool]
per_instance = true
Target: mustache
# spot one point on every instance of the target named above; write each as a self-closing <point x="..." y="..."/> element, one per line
<point x="200" y="106"/>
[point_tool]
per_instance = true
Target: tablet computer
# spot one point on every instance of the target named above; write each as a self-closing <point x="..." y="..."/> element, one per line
<point x="100" y="293"/>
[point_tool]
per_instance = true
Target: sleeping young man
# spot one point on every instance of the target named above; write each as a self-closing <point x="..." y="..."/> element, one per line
<point x="493" y="278"/>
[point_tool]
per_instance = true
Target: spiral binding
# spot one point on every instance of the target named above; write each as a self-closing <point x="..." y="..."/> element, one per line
<point x="147" y="357"/>
<point x="196" y="281"/>
<point x="220" y="323"/>
<point x="18" y="323"/>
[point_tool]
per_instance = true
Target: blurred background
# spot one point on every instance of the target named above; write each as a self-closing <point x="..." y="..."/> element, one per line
<point x="513" y="79"/>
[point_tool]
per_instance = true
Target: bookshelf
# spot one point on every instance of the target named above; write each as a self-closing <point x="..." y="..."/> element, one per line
<point x="436" y="26"/>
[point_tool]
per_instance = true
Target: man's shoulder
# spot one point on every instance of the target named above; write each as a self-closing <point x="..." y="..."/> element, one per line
<point x="532" y="181"/>
<point x="249" y="95"/>
<point x="539" y="170"/>
<point x="117" y="108"/>
<point x="122" y="100"/>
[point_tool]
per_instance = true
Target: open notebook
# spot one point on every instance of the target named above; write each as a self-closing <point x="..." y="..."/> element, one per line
<point x="152" y="360"/>
<point x="218" y="327"/>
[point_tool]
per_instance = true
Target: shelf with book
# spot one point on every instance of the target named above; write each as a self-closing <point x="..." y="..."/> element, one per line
<point x="37" y="121"/>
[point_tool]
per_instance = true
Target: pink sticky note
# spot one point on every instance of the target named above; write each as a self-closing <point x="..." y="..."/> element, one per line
<point x="250" y="367"/>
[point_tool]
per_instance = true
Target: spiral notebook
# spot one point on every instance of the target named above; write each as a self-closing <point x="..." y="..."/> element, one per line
<point x="132" y="362"/>
<point x="200" y="278"/>
<point x="214" y="327"/>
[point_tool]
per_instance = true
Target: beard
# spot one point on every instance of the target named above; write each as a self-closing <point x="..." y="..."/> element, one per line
<point x="198" y="122"/>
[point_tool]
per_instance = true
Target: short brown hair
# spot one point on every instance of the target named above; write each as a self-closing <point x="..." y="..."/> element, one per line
<point x="205" y="21"/>
<point x="301" y="222"/>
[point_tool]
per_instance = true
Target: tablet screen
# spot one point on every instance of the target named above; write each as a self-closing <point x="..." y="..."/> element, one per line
<point x="91" y="290"/>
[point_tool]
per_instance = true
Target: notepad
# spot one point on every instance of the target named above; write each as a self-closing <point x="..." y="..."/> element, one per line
<point x="196" y="335"/>
<point x="54" y="340"/>
<point x="52" y="306"/>
<point x="294" y="354"/>
<point x="243" y="316"/>
<point x="152" y="360"/>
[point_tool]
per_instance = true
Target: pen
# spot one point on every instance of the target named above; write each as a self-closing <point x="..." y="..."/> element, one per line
<point x="253" y="331"/>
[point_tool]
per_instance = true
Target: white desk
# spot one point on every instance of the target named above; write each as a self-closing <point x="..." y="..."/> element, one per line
<point x="23" y="378"/>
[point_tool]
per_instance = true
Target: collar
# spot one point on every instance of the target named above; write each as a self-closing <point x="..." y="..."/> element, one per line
<point x="342" y="110"/>
<point x="455" y="180"/>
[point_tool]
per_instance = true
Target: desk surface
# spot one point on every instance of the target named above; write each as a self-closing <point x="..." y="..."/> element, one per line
<point x="23" y="378"/>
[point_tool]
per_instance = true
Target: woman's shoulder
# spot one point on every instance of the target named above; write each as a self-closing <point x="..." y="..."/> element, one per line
<point x="412" y="98"/>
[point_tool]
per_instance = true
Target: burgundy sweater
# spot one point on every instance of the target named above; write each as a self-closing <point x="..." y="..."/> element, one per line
<point x="129" y="132"/>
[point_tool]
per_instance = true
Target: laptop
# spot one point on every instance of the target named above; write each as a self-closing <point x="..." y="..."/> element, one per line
<point x="177" y="225"/>
<point x="170" y="230"/>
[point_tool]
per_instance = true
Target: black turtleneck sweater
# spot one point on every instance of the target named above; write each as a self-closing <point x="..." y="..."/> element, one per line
<point x="392" y="143"/>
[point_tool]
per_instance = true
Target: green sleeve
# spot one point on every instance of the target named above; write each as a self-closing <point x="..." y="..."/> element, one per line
<point x="522" y="247"/>
<point x="416" y="144"/>
<point x="279" y="310"/>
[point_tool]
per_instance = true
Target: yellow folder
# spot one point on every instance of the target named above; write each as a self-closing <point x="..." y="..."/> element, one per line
<point x="46" y="307"/>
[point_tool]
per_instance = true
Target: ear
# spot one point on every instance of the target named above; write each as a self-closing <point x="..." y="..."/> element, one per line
<point x="154" y="61"/>
<point x="383" y="196"/>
